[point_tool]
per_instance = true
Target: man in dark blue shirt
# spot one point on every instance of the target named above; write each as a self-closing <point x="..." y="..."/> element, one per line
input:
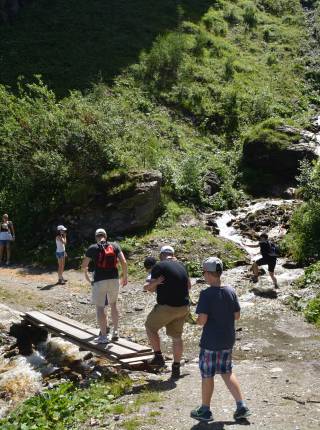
<point x="217" y="310"/>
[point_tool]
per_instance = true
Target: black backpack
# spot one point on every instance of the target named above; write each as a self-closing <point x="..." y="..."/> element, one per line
<point x="274" y="250"/>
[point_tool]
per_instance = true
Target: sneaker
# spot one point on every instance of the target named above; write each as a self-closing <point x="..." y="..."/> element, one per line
<point x="241" y="413"/>
<point x="101" y="339"/>
<point x="254" y="279"/>
<point x="115" y="335"/>
<point x="201" y="414"/>
<point x="157" y="360"/>
<point x="175" y="373"/>
<point x="61" y="282"/>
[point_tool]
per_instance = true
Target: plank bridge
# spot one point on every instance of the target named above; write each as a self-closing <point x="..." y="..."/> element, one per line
<point x="123" y="351"/>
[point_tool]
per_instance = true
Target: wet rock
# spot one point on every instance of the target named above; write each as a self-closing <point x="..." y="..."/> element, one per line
<point x="212" y="183"/>
<point x="266" y="292"/>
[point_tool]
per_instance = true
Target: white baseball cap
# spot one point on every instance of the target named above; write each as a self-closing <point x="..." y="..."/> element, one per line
<point x="61" y="227"/>
<point x="101" y="232"/>
<point x="167" y="249"/>
<point x="212" y="264"/>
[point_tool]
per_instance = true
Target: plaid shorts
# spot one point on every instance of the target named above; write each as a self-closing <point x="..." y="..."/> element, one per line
<point x="215" y="362"/>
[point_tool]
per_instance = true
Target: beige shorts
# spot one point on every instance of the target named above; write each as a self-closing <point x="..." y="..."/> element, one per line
<point x="101" y="289"/>
<point x="170" y="317"/>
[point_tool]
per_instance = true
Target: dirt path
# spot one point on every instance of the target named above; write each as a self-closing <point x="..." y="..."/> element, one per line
<point x="276" y="355"/>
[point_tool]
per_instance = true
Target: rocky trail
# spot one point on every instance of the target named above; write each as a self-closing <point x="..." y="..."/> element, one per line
<point x="276" y="356"/>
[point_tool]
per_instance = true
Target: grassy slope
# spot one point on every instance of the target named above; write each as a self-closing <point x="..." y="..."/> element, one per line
<point x="73" y="43"/>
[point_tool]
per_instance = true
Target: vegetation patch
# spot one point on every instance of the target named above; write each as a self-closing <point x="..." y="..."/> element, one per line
<point x="66" y="406"/>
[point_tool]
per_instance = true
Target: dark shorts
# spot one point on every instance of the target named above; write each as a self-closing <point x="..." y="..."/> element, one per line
<point x="269" y="261"/>
<point x="215" y="362"/>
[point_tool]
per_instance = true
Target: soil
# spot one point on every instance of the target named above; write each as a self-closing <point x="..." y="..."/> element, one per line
<point x="276" y="356"/>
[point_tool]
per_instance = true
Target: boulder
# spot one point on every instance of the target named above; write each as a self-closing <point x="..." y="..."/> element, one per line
<point x="271" y="157"/>
<point x="267" y="292"/>
<point x="212" y="183"/>
<point x="125" y="213"/>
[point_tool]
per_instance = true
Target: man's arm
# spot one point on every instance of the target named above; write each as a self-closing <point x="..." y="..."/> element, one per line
<point x="202" y="319"/>
<point x="189" y="284"/>
<point x="124" y="268"/>
<point x="237" y="315"/>
<point x="85" y="264"/>
<point x="153" y="284"/>
<point x="250" y="245"/>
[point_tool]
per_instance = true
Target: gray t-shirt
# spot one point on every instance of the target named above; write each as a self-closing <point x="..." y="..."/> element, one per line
<point x="220" y="304"/>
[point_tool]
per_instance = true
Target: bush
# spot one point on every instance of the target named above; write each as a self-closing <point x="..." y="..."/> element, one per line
<point x="312" y="311"/>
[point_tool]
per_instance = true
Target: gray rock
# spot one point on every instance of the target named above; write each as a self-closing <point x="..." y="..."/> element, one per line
<point x="135" y="210"/>
<point x="266" y="292"/>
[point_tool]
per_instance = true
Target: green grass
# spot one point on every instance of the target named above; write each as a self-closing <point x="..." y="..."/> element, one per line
<point x="73" y="43"/>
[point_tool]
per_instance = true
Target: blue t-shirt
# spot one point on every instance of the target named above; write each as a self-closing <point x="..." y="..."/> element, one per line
<point x="220" y="304"/>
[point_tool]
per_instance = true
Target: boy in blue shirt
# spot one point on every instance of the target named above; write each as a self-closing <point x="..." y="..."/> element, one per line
<point x="217" y="310"/>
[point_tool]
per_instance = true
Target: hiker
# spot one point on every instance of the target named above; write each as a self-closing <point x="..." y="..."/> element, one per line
<point x="217" y="310"/>
<point x="148" y="264"/>
<point x="6" y="237"/>
<point x="61" y="241"/>
<point x="269" y="253"/>
<point x="105" y="256"/>
<point x="170" y="281"/>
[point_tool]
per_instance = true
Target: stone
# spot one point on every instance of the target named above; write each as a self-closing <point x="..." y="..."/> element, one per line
<point x="126" y="211"/>
<point x="266" y="292"/>
<point x="212" y="183"/>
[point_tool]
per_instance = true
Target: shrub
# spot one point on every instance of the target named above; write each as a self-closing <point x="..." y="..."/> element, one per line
<point x="312" y="311"/>
<point x="250" y="16"/>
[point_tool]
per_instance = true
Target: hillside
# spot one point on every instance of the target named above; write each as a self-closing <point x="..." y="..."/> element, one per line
<point x="196" y="82"/>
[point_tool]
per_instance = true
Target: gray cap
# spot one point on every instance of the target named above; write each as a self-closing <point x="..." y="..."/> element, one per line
<point x="212" y="264"/>
<point x="101" y="232"/>
<point x="167" y="249"/>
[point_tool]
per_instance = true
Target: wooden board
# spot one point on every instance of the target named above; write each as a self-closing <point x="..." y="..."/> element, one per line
<point x="122" y="342"/>
<point x="85" y="338"/>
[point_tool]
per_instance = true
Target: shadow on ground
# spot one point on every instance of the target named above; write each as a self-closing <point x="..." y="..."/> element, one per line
<point x="72" y="44"/>
<point x="219" y="425"/>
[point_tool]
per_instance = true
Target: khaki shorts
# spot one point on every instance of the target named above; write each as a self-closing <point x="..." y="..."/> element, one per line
<point x="101" y="289"/>
<point x="170" y="317"/>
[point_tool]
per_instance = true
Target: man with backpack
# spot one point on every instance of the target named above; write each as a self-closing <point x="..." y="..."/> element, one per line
<point x="269" y="253"/>
<point x="105" y="257"/>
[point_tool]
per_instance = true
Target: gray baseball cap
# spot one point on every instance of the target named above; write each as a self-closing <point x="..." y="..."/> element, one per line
<point x="167" y="249"/>
<point x="212" y="264"/>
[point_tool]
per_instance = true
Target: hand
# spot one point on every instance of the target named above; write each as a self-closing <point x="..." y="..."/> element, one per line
<point x="160" y="280"/>
<point x="124" y="281"/>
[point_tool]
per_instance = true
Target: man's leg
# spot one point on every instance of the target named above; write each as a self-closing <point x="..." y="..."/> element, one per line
<point x="233" y="385"/>
<point x="255" y="269"/>
<point x="207" y="391"/>
<point x="154" y="339"/>
<point x="114" y="316"/>
<point x="102" y="320"/>
<point x="177" y="348"/>
<point x="274" y="279"/>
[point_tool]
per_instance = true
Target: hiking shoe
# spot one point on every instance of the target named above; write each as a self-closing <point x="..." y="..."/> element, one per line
<point x="157" y="360"/>
<point x="201" y="414"/>
<point x="101" y="340"/>
<point x="254" y="279"/>
<point x="61" y="282"/>
<point x="241" y="413"/>
<point x="115" y="335"/>
<point x="175" y="372"/>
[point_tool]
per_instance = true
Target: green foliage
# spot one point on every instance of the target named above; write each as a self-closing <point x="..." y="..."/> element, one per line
<point x="303" y="240"/>
<point x="280" y="7"/>
<point x="65" y="406"/>
<point x="312" y="311"/>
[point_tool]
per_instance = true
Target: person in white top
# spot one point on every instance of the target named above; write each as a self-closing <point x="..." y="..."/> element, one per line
<point x="61" y="240"/>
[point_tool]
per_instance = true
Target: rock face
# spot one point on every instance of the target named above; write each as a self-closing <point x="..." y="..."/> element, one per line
<point x="282" y="161"/>
<point x="212" y="183"/>
<point x="272" y="158"/>
<point x="125" y="214"/>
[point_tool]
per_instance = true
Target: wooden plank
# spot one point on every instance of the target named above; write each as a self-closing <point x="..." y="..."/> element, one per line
<point x="81" y="336"/>
<point x="136" y="359"/>
<point x="122" y="341"/>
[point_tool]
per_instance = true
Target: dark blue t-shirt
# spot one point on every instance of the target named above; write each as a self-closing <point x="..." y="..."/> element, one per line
<point x="220" y="304"/>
